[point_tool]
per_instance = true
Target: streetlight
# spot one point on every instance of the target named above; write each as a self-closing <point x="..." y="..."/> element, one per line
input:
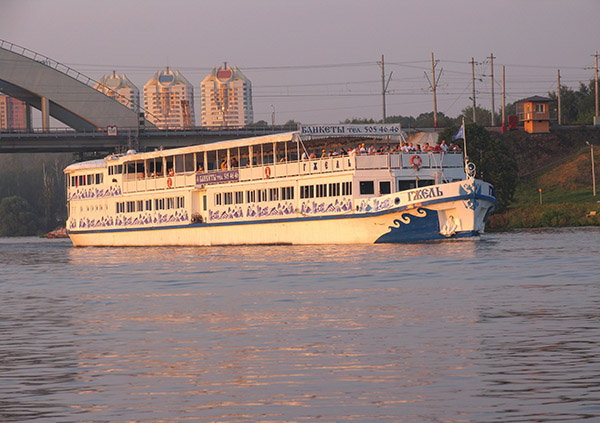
<point x="593" y="173"/>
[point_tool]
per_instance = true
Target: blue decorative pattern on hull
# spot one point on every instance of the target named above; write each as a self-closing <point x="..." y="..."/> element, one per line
<point x="422" y="225"/>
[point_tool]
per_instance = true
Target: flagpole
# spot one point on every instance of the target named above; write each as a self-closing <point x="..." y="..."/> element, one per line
<point x="465" y="139"/>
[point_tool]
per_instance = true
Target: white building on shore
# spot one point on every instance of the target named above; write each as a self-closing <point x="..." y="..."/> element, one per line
<point x="226" y="96"/>
<point x="169" y="100"/>
<point x="121" y="89"/>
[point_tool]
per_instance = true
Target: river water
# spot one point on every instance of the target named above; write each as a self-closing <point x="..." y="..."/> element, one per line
<point x="500" y="328"/>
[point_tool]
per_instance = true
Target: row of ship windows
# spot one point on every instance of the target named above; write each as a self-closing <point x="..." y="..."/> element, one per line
<point x="284" y="193"/>
<point x="149" y="205"/>
<point x="89" y="179"/>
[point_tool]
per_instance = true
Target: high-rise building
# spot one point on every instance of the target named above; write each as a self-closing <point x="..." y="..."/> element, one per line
<point x="121" y="89"/>
<point x="13" y="114"/>
<point x="169" y="100"/>
<point x="226" y="96"/>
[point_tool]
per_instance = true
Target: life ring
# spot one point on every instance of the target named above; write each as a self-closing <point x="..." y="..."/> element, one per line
<point x="267" y="172"/>
<point x="169" y="182"/>
<point x="415" y="161"/>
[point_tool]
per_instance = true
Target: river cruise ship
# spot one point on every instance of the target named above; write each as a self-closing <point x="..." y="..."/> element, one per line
<point x="287" y="188"/>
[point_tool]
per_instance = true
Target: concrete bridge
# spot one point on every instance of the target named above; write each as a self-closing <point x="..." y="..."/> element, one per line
<point x="60" y="92"/>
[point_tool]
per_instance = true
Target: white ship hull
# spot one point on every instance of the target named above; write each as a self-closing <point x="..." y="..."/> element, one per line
<point x="458" y="209"/>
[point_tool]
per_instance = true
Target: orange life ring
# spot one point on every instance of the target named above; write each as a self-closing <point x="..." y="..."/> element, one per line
<point x="267" y="172"/>
<point x="415" y="161"/>
<point x="169" y="182"/>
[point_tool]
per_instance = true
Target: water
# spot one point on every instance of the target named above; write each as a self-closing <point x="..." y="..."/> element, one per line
<point x="502" y="328"/>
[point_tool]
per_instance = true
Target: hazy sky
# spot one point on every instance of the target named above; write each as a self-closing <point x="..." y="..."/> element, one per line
<point x="317" y="61"/>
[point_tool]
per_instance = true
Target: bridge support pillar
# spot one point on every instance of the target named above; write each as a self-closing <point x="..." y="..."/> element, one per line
<point x="45" y="114"/>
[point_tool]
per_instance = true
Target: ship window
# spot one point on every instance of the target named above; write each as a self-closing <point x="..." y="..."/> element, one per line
<point x="170" y="203"/>
<point x="180" y="202"/>
<point x="169" y="160"/>
<point x="321" y="190"/>
<point x="239" y="197"/>
<point x="204" y="202"/>
<point x="89" y="179"/>
<point x="406" y="185"/>
<point x="307" y="191"/>
<point x="218" y="199"/>
<point x="334" y="190"/>
<point x="385" y="187"/>
<point x="81" y="180"/>
<point x="131" y="167"/>
<point x="140" y="205"/>
<point x="287" y="193"/>
<point x="148" y="205"/>
<point x="261" y="194"/>
<point x="119" y="169"/>
<point x="367" y="187"/>
<point x="273" y="194"/>
<point x="130" y="206"/>
<point x="139" y="167"/>
<point x="189" y="162"/>
<point x="250" y="196"/>
<point x="98" y="178"/>
<point x="179" y="166"/>
<point x="347" y="188"/>
<point x="228" y="197"/>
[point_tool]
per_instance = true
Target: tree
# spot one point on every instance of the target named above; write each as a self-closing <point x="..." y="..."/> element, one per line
<point x="493" y="159"/>
<point x="16" y="217"/>
<point x="577" y="107"/>
<point x="483" y="116"/>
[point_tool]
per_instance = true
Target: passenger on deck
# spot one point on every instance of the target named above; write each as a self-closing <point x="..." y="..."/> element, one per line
<point x="444" y="146"/>
<point x="234" y="163"/>
<point x="313" y="155"/>
<point x="200" y="167"/>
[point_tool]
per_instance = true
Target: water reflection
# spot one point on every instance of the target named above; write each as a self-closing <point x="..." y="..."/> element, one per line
<point x="38" y="356"/>
<point x="500" y="328"/>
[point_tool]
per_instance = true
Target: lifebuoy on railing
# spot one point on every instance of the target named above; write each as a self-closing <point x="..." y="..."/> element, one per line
<point x="267" y="172"/>
<point x="169" y="182"/>
<point x="415" y="161"/>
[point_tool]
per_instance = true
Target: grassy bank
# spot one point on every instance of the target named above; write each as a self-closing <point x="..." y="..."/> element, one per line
<point x="566" y="195"/>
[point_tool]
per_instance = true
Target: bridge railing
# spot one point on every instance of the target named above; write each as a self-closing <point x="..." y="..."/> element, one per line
<point x="67" y="70"/>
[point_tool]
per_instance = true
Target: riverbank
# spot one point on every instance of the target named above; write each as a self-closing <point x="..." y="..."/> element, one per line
<point x="555" y="182"/>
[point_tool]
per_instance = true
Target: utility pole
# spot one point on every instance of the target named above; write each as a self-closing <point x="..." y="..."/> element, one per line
<point x="492" y="81"/>
<point x="503" y="99"/>
<point x="558" y="97"/>
<point x="433" y="87"/>
<point x="383" y="86"/>
<point x="596" y="119"/>
<point x="473" y="82"/>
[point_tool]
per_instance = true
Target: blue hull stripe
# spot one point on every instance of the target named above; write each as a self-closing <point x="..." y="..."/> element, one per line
<point x="295" y="219"/>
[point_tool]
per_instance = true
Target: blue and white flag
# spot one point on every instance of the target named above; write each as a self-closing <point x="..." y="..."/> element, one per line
<point x="460" y="134"/>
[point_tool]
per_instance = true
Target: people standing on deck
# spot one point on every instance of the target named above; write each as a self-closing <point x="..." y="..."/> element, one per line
<point x="444" y="146"/>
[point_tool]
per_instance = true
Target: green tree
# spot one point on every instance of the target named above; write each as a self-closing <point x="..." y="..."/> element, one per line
<point x="483" y="116"/>
<point x="577" y="107"/>
<point x="493" y="159"/>
<point x="17" y="217"/>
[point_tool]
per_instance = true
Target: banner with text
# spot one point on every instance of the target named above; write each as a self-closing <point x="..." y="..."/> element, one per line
<point x="351" y="130"/>
<point x="217" y="177"/>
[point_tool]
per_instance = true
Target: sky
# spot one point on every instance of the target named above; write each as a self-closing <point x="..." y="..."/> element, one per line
<point x="319" y="61"/>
